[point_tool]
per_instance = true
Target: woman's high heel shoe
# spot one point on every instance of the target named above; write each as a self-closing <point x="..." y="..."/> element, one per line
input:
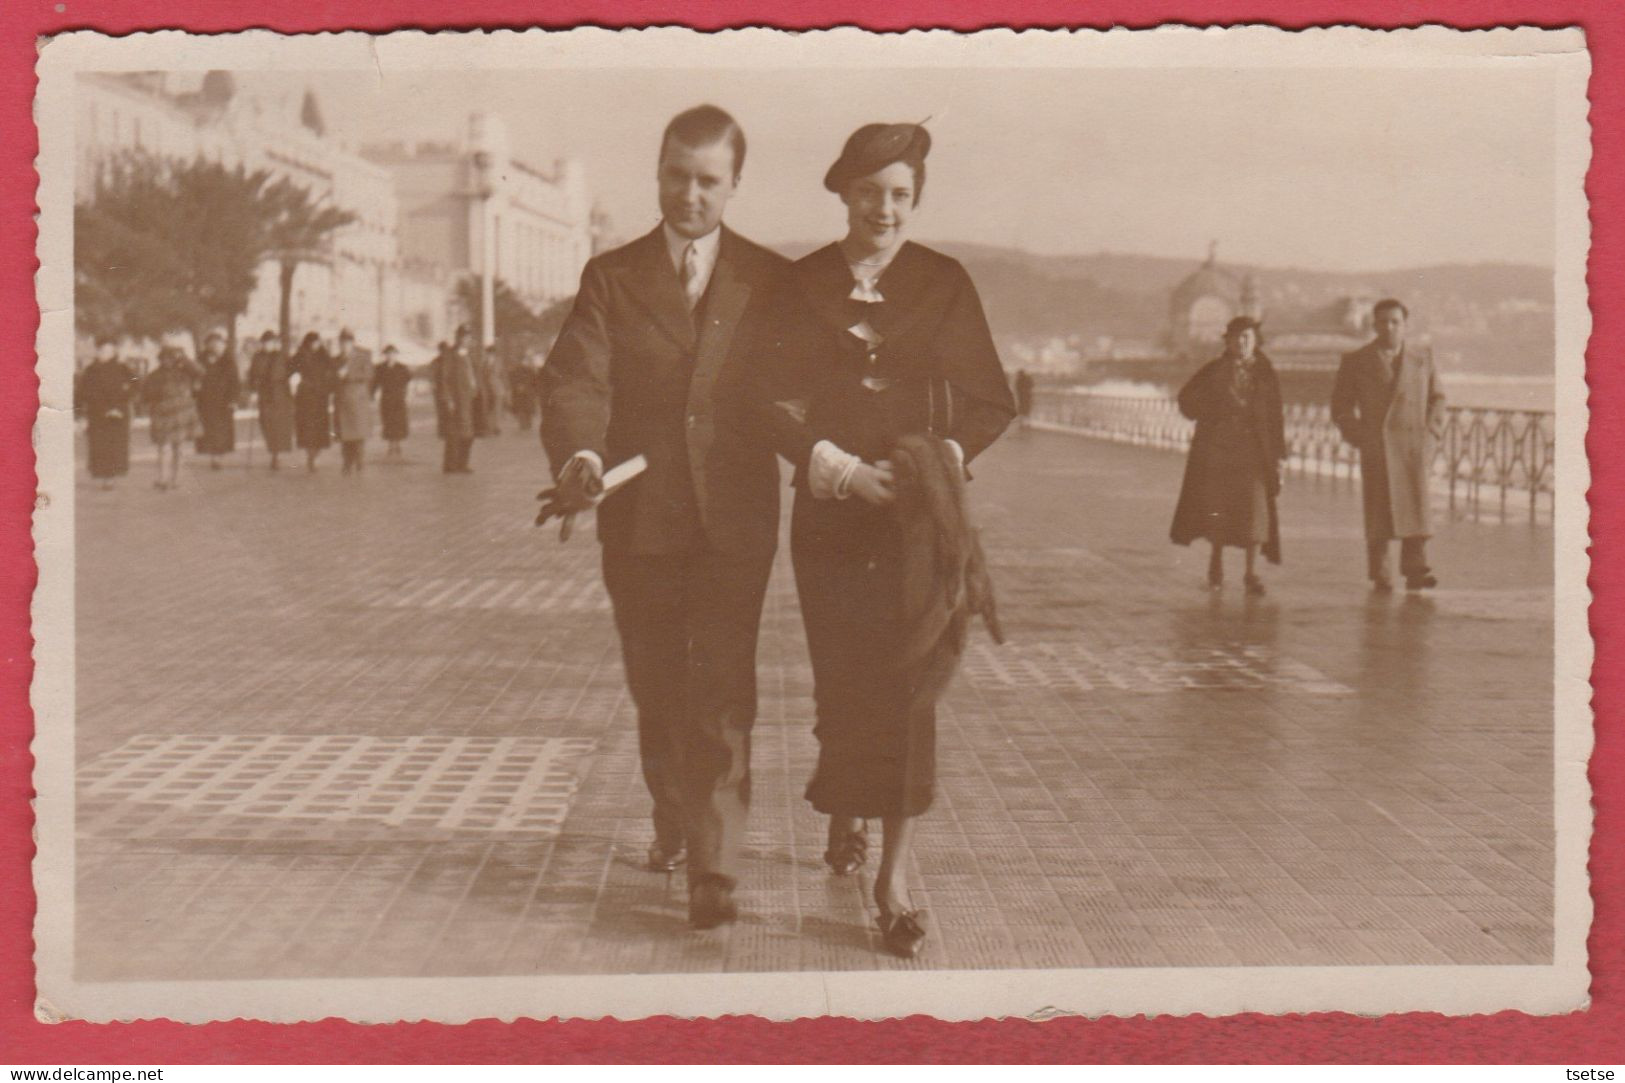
<point x="847" y="851"/>
<point x="903" y="933"/>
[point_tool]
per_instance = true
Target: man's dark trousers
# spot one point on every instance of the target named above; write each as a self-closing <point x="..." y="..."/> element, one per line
<point x="688" y="624"/>
<point x="455" y="457"/>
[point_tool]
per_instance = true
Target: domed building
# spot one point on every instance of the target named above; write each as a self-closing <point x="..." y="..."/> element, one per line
<point x="1201" y="305"/>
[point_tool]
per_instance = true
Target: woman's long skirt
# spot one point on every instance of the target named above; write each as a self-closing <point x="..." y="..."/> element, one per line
<point x="1226" y="482"/>
<point x="876" y="749"/>
<point x="109" y="440"/>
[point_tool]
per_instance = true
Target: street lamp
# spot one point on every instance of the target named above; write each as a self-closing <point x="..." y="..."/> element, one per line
<point x="488" y="155"/>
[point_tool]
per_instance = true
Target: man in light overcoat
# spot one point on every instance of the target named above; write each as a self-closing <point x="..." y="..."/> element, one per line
<point x="1388" y="403"/>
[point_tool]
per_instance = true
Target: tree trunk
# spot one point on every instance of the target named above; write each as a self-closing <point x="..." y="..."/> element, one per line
<point x="285" y="304"/>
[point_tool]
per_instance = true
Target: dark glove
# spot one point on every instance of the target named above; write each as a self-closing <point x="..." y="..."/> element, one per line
<point x="578" y="488"/>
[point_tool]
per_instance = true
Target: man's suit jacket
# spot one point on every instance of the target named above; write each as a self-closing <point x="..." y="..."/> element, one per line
<point x="634" y="372"/>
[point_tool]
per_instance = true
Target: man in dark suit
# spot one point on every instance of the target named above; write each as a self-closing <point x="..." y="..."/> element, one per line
<point x="456" y="389"/>
<point x="651" y="362"/>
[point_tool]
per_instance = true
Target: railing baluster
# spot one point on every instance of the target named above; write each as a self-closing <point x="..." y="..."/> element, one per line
<point x="1509" y="449"/>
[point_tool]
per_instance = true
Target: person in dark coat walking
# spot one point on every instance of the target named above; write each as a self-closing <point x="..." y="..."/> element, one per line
<point x="1388" y="403"/>
<point x="1233" y="472"/>
<point x="390" y="380"/>
<point x="105" y="393"/>
<point x="217" y="399"/>
<point x="1024" y="396"/>
<point x="523" y="392"/>
<point x="268" y="375"/>
<point x="456" y="392"/>
<point x="313" y="398"/>
<point x="650" y="362"/>
<point x="886" y="339"/>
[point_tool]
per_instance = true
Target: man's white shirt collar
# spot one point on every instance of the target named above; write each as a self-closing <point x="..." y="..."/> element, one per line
<point x="705" y="248"/>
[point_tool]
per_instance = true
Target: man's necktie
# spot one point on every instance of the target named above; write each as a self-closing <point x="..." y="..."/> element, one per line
<point x="691" y="275"/>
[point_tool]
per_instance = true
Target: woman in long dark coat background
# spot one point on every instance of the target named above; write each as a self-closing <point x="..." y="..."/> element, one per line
<point x="891" y="341"/>
<point x="390" y="379"/>
<point x="313" y="399"/>
<point x="217" y="399"/>
<point x="105" y="392"/>
<point x="1233" y="474"/>
<point x="268" y="375"/>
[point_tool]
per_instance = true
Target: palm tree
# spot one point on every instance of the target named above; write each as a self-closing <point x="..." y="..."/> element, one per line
<point x="167" y="246"/>
<point x="299" y="231"/>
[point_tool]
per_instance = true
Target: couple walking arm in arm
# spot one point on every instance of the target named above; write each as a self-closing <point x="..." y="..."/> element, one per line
<point x="707" y="354"/>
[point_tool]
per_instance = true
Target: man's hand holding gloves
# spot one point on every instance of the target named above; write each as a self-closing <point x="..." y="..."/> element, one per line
<point x="579" y="487"/>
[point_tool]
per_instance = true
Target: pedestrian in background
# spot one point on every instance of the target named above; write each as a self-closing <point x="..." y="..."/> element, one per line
<point x="390" y="380"/>
<point x="524" y="391"/>
<point x="169" y="393"/>
<point x="312" y="398"/>
<point x="491" y="391"/>
<point x="1388" y="403"/>
<point x="1233" y="472"/>
<point x="1024" y="396"/>
<point x="268" y="375"/>
<point x="456" y="389"/>
<point x="104" y="394"/>
<point x="353" y="401"/>
<point x="217" y="399"/>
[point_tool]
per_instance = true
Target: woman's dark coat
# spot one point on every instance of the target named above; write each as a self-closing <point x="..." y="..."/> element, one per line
<point x="1232" y="448"/>
<point x="936" y="371"/>
<point x="313" y="401"/>
<point x="268" y="376"/>
<point x="390" y="381"/>
<point x="106" y="392"/>
<point x="216" y="405"/>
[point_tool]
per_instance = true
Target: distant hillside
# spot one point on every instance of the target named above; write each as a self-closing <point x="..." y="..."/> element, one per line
<point x="1487" y="317"/>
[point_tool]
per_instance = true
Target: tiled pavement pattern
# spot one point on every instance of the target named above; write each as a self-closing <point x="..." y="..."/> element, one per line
<point x="376" y="725"/>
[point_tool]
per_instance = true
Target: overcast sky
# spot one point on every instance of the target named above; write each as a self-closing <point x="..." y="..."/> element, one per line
<point x="1333" y="169"/>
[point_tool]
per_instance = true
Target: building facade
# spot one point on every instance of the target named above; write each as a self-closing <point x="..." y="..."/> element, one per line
<point x="260" y="121"/>
<point x="454" y="195"/>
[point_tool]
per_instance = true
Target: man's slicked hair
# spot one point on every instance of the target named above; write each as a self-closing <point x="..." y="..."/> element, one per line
<point x="703" y="125"/>
<point x="1387" y="303"/>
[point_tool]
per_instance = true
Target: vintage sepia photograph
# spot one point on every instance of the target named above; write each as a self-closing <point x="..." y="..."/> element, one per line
<point x="619" y="523"/>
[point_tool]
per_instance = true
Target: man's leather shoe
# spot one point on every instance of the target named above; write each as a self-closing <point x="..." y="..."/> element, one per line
<point x="710" y="904"/>
<point x="664" y="859"/>
<point x="1425" y="581"/>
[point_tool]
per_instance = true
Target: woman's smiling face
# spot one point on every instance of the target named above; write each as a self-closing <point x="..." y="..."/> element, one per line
<point x="878" y="206"/>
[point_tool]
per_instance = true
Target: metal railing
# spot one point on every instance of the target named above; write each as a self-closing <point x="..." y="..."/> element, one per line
<point x="1484" y="459"/>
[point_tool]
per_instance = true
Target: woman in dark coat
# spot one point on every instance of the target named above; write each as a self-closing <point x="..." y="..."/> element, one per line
<point x="105" y="392"/>
<point x="389" y="382"/>
<point x="268" y="375"/>
<point x="217" y="399"/>
<point x="1233" y="474"/>
<point x="313" y="399"/>
<point x="890" y="340"/>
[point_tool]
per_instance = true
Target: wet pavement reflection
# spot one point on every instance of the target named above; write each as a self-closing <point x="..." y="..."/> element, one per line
<point x="420" y="759"/>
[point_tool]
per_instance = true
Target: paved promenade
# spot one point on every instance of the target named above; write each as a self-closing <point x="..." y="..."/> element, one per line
<point x="377" y="725"/>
